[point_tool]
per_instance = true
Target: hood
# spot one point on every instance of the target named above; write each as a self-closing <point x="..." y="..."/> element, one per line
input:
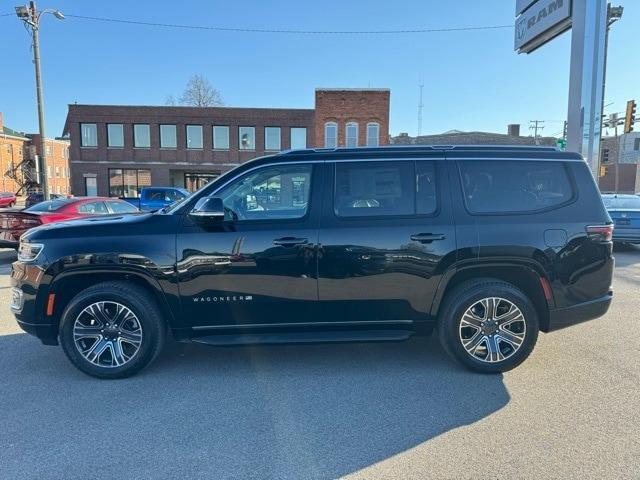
<point x="99" y="226"/>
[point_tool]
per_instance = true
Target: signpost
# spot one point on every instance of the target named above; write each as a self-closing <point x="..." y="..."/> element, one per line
<point x="540" y="21"/>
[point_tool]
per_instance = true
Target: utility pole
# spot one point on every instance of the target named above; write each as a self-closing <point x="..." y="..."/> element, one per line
<point x="536" y="125"/>
<point x="420" y="105"/>
<point x="31" y="18"/>
<point x="613" y="15"/>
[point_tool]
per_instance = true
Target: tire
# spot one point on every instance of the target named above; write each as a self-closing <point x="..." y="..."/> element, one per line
<point x="117" y="325"/>
<point x="495" y="344"/>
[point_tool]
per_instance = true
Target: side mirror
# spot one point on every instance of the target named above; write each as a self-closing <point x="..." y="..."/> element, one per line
<point x="208" y="210"/>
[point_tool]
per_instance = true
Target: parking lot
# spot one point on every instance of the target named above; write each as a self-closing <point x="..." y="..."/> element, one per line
<point x="399" y="410"/>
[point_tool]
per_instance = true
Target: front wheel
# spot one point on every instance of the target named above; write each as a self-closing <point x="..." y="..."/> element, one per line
<point x="112" y="330"/>
<point x="489" y="326"/>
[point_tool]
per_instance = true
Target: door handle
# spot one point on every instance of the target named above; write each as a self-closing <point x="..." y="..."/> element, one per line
<point x="290" y="241"/>
<point x="427" y="237"/>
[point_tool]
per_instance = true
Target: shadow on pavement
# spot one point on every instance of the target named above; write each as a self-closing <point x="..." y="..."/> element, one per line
<point x="626" y="254"/>
<point x="314" y="411"/>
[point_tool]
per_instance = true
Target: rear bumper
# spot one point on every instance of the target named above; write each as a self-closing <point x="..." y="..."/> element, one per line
<point x="626" y="237"/>
<point x="582" y="312"/>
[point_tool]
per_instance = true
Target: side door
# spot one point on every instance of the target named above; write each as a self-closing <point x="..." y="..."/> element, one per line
<point x="152" y="199"/>
<point x="259" y="266"/>
<point x="387" y="235"/>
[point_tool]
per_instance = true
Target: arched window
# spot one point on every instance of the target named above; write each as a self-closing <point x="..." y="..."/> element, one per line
<point x="351" y="131"/>
<point x="331" y="135"/>
<point x="373" y="134"/>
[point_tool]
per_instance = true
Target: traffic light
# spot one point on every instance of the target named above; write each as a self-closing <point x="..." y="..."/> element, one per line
<point x="605" y="155"/>
<point x="630" y="116"/>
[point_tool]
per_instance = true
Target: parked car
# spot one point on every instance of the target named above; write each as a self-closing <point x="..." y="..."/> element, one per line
<point x="625" y="212"/>
<point x="7" y="199"/>
<point x="34" y="198"/>
<point x="13" y="224"/>
<point x="485" y="245"/>
<point x="156" y="198"/>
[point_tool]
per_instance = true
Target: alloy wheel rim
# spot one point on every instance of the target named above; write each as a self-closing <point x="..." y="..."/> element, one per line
<point x="492" y="329"/>
<point x="107" y="334"/>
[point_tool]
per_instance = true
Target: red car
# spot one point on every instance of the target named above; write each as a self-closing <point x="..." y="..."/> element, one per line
<point x="7" y="199"/>
<point x="14" y="223"/>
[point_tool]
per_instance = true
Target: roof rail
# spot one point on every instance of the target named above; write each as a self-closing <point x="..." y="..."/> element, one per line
<point x="534" y="148"/>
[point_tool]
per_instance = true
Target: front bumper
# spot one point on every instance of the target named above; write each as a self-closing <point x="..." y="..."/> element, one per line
<point x="27" y="305"/>
<point x="565" y="317"/>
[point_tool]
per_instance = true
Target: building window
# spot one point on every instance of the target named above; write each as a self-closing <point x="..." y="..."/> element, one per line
<point x="351" y="134"/>
<point x="272" y="138"/>
<point x="127" y="183"/>
<point x="91" y="186"/>
<point x="49" y="171"/>
<point x="49" y="150"/>
<point x="194" y="136"/>
<point x="373" y="134"/>
<point x="247" y="138"/>
<point x="57" y="172"/>
<point x="636" y="144"/>
<point x="88" y="135"/>
<point x="168" y="137"/>
<point x="330" y="135"/>
<point x="220" y="137"/>
<point x="115" y="135"/>
<point x="141" y="136"/>
<point x="298" y="138"/>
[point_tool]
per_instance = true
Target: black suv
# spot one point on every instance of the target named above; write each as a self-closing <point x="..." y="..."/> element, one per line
<point x="486" y="245"/>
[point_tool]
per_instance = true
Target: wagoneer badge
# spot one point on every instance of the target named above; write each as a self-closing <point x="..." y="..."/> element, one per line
<point x="227" y="298"/>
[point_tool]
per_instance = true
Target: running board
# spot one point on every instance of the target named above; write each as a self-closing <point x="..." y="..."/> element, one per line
<point x="306" y="337"/>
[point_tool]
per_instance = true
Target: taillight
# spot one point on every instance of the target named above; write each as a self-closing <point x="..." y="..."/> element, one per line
<point x="600" y="233"/>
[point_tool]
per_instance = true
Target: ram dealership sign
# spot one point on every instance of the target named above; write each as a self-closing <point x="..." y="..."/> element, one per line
<point x="539" y="22"/>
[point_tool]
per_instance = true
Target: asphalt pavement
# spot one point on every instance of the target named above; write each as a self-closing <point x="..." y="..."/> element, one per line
<point x="370" y="411"/>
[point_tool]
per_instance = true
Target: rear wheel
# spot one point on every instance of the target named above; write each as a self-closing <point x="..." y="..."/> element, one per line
<point x="488" y="325"/>
<point x="112" y="330"/>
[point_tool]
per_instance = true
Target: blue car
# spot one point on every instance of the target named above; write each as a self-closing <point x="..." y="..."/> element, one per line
<point x="625" y="213"/>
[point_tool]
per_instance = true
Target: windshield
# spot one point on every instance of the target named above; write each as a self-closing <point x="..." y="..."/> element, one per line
<point x="48" y="206"/>
<point x="622" y="202"/>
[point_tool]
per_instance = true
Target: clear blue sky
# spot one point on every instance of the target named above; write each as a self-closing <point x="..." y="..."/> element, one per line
<point x="473" y="80"/>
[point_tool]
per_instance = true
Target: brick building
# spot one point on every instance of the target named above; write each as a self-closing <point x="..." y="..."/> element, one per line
<point x="620" y="160"/>
<point x="13" y="147"/>
<point x="117" y="150"/>
<point x="352" y="117"/>
<point x="18" y="154"/>
<point x="57" y="156"/>
<point x="457" y="137"/>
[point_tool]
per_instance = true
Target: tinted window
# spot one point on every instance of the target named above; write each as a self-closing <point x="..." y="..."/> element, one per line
<point x="48" y="206"/>
<point x="270" y="193"/>
<point x="122" y="207"/>
<point x="374" y="188"/>
<point x="93" y="208"/>
<point x="426" y="193"/>
<point x="514" y="186"/>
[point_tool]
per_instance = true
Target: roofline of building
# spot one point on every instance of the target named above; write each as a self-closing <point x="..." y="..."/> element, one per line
<point x="217" y="107"/>
<point x="2" y="134"/>
<point x="353" y="90"/>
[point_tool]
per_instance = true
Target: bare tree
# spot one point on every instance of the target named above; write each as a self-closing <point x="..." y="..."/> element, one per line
<point x="200" y="93"/>
<point x="170" y="100"/>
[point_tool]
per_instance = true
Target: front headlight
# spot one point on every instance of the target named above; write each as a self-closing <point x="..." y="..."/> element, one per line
<point x="28" y="252"/>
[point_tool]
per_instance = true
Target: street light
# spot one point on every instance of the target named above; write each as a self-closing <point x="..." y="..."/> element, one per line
<point x="31" y="18"/>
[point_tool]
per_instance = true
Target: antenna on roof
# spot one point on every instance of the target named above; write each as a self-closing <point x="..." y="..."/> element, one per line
<point x="420" y="105"/>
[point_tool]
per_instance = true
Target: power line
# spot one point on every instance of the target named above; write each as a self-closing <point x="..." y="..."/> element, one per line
<point x="283" y="31"/>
